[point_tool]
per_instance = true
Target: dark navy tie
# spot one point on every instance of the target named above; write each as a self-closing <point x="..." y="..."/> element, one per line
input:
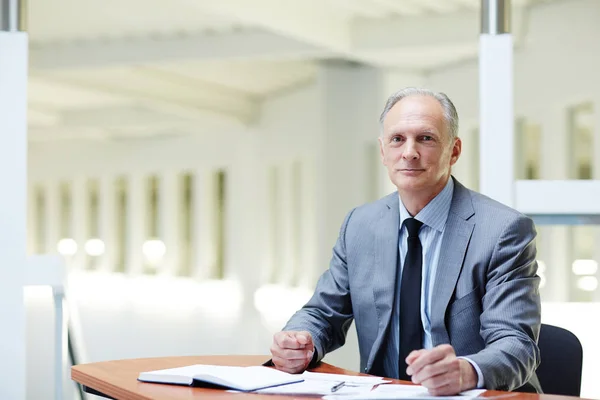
<point x="411" y="328"/>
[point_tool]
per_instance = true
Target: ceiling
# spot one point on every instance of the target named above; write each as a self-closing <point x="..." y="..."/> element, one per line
<point x="118" y="69"/>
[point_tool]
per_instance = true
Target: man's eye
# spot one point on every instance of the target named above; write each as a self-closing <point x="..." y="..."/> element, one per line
<point x="396" y="139"/>
<point x="426" y="138"/>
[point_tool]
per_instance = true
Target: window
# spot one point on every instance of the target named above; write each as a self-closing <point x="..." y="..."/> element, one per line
<point x="568" y="262"/>
<point x="527" y="149"/>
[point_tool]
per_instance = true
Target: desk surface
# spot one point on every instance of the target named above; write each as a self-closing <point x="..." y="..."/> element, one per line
<point x="118" y="379"/>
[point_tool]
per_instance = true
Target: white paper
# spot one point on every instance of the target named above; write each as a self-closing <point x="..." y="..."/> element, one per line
<point x="395" y="391"/>
<point x="472" y="392"/>
<point x="420" y="391"/>
<point x="316" y="387"/>
<point x="365" y="380"/>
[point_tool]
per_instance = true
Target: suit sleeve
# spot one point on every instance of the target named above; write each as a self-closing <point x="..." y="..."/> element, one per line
<point x="328" y="314"/>
<point x="510" y="320"/>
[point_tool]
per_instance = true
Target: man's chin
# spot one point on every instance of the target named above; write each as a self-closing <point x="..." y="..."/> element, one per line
<point x="409" y="184"/>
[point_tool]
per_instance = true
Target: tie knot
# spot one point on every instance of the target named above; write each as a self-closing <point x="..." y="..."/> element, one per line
<point x="413" y="226"/>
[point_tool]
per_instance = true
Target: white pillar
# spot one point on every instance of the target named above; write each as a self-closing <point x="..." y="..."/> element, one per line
<point x="136" y="228"/>
<point x="13" y="202"/>
<point x="244" y="227"/>
<point x="107" y="198"/>
<point x="286" y="219"/>
<point x="496" y="102"/>
<point x="350" y="104"/>
<point x="204" y="245"/>
<point x="169" y="223"/>
<point x="308" y="225"/>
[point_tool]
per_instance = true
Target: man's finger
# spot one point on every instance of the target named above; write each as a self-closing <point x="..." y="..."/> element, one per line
<point x="428" y="372"/>
<point x="413" y="355"/>
<point x="292" y="354"/>
<point x="287" y="365"/>
<point x="428" y="357"/>
<point x="289" y="340"/>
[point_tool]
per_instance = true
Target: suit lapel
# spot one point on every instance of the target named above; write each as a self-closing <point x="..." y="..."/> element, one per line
<point x="386" y="267"/>
<point x="455" y="241"/>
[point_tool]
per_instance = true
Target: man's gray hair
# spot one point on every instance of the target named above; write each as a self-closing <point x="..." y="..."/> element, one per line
<point x="450" y="114"/>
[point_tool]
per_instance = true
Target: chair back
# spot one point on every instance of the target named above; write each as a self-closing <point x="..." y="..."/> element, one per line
<point x="561" y="363"/>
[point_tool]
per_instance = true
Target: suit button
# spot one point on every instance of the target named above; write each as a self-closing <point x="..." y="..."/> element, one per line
<point x="365" y="370"/>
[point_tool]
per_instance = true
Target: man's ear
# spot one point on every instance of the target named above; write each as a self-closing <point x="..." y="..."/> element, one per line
<point x="381" y="151"/>
<point x="456" y="151"/>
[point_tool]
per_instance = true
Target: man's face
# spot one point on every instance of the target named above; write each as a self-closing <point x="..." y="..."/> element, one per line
<point x="416" y="147"/>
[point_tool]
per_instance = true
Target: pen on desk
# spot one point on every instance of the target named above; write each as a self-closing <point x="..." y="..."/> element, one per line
<point x="338" y="387"/>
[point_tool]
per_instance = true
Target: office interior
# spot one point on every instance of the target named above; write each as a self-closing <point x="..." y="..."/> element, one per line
<point x="189" y="163"/>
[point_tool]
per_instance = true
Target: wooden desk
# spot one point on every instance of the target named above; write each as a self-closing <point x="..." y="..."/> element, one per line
<point x="118" y="379"/>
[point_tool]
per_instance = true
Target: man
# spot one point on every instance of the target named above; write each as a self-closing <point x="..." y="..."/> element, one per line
<point x="440" y="280"/>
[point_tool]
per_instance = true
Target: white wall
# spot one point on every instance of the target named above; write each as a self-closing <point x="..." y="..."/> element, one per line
<point x="557" y="66"/>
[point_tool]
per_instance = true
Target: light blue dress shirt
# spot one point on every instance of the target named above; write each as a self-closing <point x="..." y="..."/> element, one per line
<point x="433" y="216"/>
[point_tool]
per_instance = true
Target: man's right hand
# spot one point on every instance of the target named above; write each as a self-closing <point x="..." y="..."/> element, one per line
<point x="292" y="351"/>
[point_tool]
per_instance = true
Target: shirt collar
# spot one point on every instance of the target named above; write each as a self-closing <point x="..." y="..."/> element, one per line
<point x="435" y="213"/>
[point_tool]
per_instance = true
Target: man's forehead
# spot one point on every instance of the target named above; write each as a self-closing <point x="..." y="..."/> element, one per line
<point x="415" y="110"/>
<point x="412" y="120"/>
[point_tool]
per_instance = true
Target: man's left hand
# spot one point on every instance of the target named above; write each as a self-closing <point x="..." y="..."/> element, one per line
<point x="440" y="371"/>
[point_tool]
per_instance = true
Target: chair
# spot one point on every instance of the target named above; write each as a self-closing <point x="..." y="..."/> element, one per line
<point x="561" y="361"/>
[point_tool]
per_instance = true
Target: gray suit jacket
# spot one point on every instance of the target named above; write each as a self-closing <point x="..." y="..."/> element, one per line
<point x="485" y="304"/>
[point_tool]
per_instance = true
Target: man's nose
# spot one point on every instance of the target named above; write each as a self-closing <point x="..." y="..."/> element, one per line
<point x="410" y="150"/>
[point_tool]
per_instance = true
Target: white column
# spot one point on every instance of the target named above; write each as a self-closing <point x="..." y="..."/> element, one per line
<point x="107" y="197"/>
<point x="286" y="219"/>
<point x="351" y="101"/>
<point x="272" y="264"/>
<point x="496" y="102"/>
<point x="13" y="202"/>
<point x="169" y="223"/>
<point x="308" y="226"/>
<point x="244" y="228"/>
<point x="136" y="228"/>
<point x="203" y="211"/>
<point x="79" y="220"/>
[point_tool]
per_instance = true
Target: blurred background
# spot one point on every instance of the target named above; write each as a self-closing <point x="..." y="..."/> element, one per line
<point x="192" y="160"/>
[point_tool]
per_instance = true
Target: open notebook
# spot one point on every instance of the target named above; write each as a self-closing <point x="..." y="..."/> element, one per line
<point x="239" y="378"/>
